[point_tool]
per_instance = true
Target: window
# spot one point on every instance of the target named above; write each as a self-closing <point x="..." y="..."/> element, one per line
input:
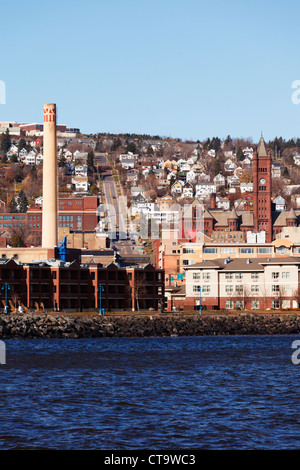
<point x="275" y="289"/>
<point x="239" y="290"/>
<point x="254" y="304"/>
<point x="239" y="275"/>
<point x="264" y="250"/>
<point x="239" y="304"/>
<point x="229" y="304"/>
<point x="285" y="275"/>
<point x="205" y="289"/>
<point x="79" y="222"/>
<point x="227" y="251"/>
<point x="275" y="275"/>
<point x="196" y="276"/>
<point x="228" y="276"/>
<point x="187" y="250"/>
<point x="275" y="304"/>
<point x="255" y="289"/>
<point x="210" y="250"/>
<point x="246" y="250"/>
<point x="196" y="289"/>
<point x="282" y="250"/>
<point x="186" y="262"/>
<point x="254" y="276"/>
<point x="229" y="289"/>
<point x="206" y="276"/>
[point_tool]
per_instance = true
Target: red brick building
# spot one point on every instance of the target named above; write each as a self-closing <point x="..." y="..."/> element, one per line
<point x="77" y="213"/>
<point x="71" y="286"/>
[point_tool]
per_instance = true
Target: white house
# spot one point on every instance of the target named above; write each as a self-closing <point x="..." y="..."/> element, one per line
<point x="203" y="177"/>
<point x="229" y="165"/>
<point x="233" y="181"/>
<point x="191" y="176"/>
<point x="81" y="184"/>
<point x="13" y="150"/>
<point x="187" y="190"/>
<point x="223" y="203"/>
<point x="280" y="205"/>
<point x="219" y="180"/>
<point x="276" y="170"/>
<point x="296" y="159"/>
<point x="81" y="171"/>
<point x="246" y="187"/>
<point x="205" y="189"/>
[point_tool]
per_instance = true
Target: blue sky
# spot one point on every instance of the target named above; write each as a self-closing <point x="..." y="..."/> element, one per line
<point x="177" y="68"/>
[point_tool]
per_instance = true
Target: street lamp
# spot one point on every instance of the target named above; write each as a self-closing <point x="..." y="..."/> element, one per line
<point x="6" y="287"/>
<point x="101" y="310"/>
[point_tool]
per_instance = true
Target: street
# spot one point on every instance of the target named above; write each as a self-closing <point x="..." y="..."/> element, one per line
<point x="117" y="211"/>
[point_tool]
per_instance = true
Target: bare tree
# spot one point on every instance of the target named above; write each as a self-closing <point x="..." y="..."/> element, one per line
<point x="296" y="296"/>
<point x="139" y="288"/>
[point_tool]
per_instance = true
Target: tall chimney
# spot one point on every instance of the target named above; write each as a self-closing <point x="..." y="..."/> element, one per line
<point x="49" y="226"/>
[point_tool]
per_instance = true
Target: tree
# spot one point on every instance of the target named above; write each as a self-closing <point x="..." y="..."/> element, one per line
<point x="5" y="142"/>
<point x="16" y="240"/>
<point x="23" y="202"/>
<point x="239" y="154"/>
<point x="296" y="296"/>
<point x="217" y="167"/>
<point x="139" y="288"/>
<point x="116" y="144"/>
<point x="90" y="159"/>
<point x="22" y="144"/>
<point x="13" y="205"/>
<point x="131" y="147"/>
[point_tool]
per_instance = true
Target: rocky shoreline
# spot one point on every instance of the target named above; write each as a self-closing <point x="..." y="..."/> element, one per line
<point x="134" y="325"/>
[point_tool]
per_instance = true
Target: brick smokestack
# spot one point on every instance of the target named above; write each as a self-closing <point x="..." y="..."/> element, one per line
<point x="213" y="203"/>
<point x="49" y="226"/>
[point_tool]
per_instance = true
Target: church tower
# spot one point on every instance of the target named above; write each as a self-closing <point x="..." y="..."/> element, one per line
<point x="262" y="191"/>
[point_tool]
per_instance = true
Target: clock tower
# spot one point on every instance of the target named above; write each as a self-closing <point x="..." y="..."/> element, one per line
<point x="262" y="191"/>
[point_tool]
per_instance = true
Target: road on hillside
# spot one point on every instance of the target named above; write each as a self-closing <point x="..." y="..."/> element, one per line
<point x="118" y="236"/>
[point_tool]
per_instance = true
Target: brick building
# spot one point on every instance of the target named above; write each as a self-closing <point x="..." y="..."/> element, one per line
<point x="53" y="284"/>
<point x="78" y="213"/>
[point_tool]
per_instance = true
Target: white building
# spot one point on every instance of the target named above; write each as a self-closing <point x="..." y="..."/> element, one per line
<point x="246" y="187"/>
<point x="205" y="189"/>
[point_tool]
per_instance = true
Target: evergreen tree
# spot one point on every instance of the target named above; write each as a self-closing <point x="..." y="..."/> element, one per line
<point x="90" y="159"/>
<point x="239" y="154"/>
<point x="131" y="147"/>
<point x="23" y="202"/>
<point x="22" y="144"/>
<point x="217" y="167"/>
<point x="5" y="141"/>
<point x="116" y="144"/>
<point x="13" y="206"/>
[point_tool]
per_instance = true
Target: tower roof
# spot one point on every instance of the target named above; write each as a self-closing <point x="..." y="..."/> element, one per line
<point x="261" y="149"/>
<point x="291" y="214"/>
<point x="233" y="214"/>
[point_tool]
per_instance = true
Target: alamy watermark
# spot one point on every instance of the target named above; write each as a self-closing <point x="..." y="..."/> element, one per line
<point x="2" y="353"/>
<point x="118" y="222"/>
<point x="2" y="92"/>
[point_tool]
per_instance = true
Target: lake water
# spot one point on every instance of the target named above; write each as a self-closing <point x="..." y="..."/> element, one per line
<point x="214" y="392"/>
